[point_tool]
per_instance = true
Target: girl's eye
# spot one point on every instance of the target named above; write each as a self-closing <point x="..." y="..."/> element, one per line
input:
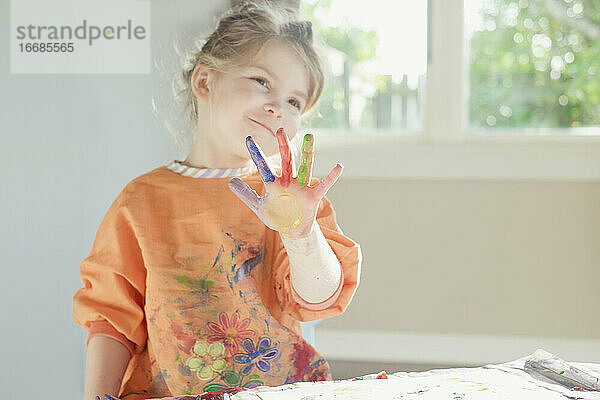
<point x="261" y="81"/>
<point x="295" y="103"/>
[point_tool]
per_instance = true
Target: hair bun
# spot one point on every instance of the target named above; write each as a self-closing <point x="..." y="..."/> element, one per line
<point x="298" y="29"/>
<point x="246" y="6"/>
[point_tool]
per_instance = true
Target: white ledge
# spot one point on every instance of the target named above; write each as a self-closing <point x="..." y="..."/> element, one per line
<point x="562" y="158"/>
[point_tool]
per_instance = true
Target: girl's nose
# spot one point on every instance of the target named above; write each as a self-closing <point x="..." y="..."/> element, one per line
<point x="273" y="109"/>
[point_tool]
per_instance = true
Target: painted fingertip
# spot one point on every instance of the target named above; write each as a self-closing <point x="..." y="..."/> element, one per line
<point x="251" y="145"/>
<point x="234" y="183"/>
<point x="280" y="135"/>
<point x="308" y="141"/>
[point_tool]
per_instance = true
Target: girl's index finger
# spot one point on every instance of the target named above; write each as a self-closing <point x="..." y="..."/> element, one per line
<point x="305" y="169"/>
<point x="259" y="160"/>
<point x="286" y="157"/>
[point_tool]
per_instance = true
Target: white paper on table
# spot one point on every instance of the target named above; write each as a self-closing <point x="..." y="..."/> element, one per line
<point x="504" y="381"/>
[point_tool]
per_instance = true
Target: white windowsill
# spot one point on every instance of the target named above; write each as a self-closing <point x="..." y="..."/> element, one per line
<point x="563" y="158"/>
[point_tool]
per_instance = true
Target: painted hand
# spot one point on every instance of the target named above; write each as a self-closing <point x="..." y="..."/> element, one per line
<point x="289" y="205"/>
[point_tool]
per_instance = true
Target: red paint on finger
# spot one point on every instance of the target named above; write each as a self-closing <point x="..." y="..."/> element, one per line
<point x="286" y="158"/>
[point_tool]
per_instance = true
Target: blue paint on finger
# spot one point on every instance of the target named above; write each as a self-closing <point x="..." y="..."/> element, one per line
<point x="245" y="193"/>
<point x="261" y="164"/>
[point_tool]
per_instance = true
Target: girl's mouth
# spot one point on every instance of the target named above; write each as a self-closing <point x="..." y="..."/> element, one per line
<point x="263" y="125"/>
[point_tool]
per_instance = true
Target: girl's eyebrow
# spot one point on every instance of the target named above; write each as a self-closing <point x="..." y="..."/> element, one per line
<point x="272" y="75"/>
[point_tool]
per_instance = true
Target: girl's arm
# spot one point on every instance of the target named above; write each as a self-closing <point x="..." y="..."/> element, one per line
<point x="315" y="271"/>
<point x="107" y="359"/>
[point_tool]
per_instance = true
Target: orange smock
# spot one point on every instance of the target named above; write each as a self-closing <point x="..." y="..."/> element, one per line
<point x="186" y="276"/>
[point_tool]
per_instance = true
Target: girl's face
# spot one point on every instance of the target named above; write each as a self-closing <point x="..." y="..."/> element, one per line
<point x="256" y="100"/>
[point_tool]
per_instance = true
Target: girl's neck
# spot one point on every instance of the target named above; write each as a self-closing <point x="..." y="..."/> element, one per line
<point x="207" y="153"/>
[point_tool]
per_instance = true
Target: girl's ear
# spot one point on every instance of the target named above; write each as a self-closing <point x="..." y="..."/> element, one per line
<point x="200" y="81"/>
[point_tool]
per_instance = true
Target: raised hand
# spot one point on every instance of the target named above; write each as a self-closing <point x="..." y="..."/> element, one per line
<point x="289" y="205"/>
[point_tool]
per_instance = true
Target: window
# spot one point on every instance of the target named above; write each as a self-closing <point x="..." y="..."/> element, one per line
<point x="454" y="137"/>
<point x="378" y="60"/>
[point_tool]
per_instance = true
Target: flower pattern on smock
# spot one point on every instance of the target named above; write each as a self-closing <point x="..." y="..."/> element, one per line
<point x="230" y="332"/>
<point x="207" y="359"/>
<point x="258" y="356"/>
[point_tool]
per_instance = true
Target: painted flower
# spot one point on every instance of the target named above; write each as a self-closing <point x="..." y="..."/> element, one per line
<point x="207" y="359"/>
<point x="230" y="332"/>
<point x="258" y="356"/>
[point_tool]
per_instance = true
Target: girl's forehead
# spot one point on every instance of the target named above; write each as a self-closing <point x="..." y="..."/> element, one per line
<point x="277" y="52"/>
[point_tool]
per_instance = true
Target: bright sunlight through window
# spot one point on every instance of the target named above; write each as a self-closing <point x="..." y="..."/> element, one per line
<point x="377" y="54"/>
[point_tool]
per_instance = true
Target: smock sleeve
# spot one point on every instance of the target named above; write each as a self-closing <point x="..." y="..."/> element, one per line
<point x="347" y="252"/>
<point x="111" y="302"/>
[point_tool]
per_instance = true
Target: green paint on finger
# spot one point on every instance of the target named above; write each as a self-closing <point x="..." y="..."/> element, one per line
<point x="307" y="150"/>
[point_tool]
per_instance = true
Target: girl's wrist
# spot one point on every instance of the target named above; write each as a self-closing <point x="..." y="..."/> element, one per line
<point x="310" y="235"/>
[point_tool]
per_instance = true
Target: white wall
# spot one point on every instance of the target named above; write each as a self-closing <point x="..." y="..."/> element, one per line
<point x="469" y="271"/>
<point x="69" y="145"/>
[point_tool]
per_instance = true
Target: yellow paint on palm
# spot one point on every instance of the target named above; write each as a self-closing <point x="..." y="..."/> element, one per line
<point x="284" y="211"/>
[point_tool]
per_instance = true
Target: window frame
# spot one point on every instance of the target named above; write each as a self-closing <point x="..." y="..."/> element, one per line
<point x="447" y="148"/>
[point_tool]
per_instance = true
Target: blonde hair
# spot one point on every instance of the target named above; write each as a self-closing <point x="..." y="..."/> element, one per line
<point x="239" y="36"/>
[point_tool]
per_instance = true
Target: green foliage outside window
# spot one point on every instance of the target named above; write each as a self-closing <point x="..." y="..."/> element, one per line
<point x="532" y="64"/>
<point x="354" y="46"/>
<point x="536" y="63"/>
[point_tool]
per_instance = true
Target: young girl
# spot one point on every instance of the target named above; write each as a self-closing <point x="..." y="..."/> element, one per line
<point x="201" y="270"/>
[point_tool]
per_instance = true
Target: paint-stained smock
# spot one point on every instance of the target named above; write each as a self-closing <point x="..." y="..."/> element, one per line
<point x="198" y="288"/>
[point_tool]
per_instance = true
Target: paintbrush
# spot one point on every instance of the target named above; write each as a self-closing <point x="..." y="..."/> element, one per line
<point x="546" y="365"/>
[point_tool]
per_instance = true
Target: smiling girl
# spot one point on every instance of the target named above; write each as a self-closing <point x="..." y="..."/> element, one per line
<point x="201" y="270"/>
